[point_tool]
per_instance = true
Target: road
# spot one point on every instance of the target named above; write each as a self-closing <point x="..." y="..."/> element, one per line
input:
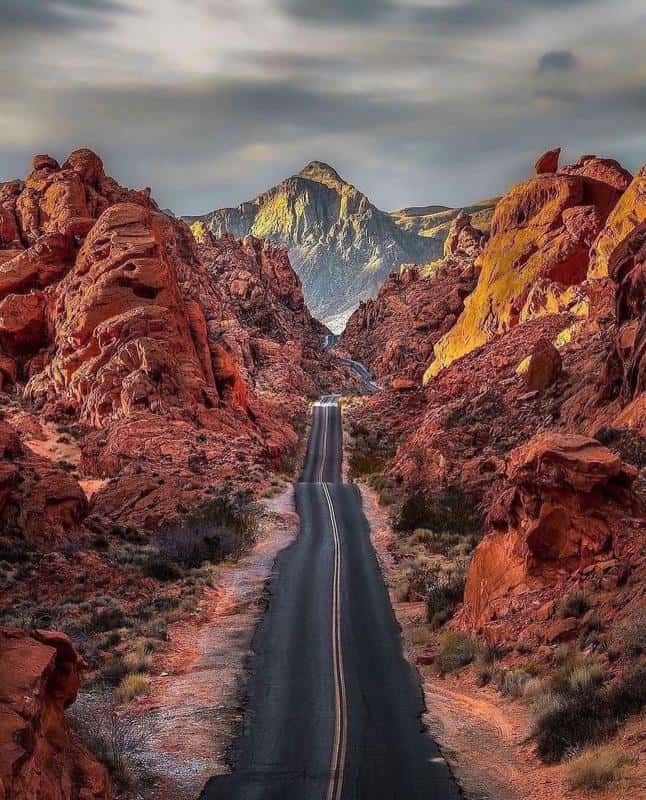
<point x="333" y="708"/>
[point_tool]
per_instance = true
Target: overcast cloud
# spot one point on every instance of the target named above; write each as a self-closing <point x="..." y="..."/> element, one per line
<point x="209" y="102"/>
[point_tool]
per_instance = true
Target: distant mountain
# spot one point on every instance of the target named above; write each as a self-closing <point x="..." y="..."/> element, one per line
<point x="433" y="222"/>
<point x="340" y="244"/>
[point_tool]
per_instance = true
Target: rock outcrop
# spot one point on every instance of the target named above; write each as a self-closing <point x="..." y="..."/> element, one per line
<point x="624" y="376"/>
<point x="566" y="496"/>
<point x="394" y="334"/>
<point x="40" y="757"/>
<point x="538" y="254"/>
<point x="544" y="356"/>
<point x="275" y="339"/>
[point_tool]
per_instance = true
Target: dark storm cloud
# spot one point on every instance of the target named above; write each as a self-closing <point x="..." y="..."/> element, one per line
<point x="337" y="12"/>
<point x="557" y="60"/>
<point x="466" y="15"/>
<point x="24" y="17"/>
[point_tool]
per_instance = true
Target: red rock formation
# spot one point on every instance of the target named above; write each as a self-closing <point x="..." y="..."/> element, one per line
<point x="539" y="251"/>
<point x="629" y="212"/>
<point x="624" y="376"/>
<point x="548" y="162"/>
<point x="274" y="337"/>
<point x="40" y="757"/>
<point x="566" y="497"/>
<point x="394" y="334"/>
<point x="39" y="501"/>
<point x="544" y="366"/>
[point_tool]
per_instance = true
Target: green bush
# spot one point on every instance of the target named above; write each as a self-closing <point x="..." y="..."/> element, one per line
<point x="223" y="527"/>
<point x="574" y="605"/>
<point x="443" y="594"/>
<point x="456" y="650"/>
<point x="160" y="567"/>
<point x="448" y="512"/>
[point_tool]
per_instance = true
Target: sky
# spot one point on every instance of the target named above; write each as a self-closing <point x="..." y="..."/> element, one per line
<point x="416" y="102"/>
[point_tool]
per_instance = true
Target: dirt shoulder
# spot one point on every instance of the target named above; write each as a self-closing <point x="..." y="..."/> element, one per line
<point x="481" y="733"/>
<point x="194" y="706"/>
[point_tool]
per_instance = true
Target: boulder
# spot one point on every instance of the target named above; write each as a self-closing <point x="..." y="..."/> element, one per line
<point x="564" y="497"/>
<point x="40" y="756"/>
<point x="548" y="162"/>
<point x="545" y="366"/>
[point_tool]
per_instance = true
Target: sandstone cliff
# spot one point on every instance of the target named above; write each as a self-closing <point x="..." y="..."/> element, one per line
<point x="39" y="754"/>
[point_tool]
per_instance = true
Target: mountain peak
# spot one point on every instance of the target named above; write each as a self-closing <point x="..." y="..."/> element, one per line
<point x="321" y="172"/>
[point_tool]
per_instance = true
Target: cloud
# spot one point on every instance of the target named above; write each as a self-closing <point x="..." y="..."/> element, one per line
<point x="337" y="12"/>
<point x="557" y="60"/>
<point x="210" y="102"/>
<point x="25" y="17"/>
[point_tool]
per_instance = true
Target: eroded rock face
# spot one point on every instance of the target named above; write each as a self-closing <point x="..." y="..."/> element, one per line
<point x="624" y="376"/>
<point x="273" y="335"/>
<point x="394" y="334"/>
<point x="629" y="212"/>
<point x="39" y="501"/>
<point x="123" y="339"/>
<point x="539" y="249"/>
<point x="565" y="496"/>
<point x="39" y="755"/>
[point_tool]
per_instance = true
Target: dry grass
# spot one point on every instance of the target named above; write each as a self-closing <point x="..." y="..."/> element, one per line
<point x="131" y="686"/>
<point x="596" y="768"/>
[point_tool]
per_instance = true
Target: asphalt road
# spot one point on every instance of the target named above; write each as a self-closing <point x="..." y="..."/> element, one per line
<point x="333" y="708"/>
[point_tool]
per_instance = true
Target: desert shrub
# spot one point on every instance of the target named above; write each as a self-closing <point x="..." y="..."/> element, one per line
<point x="113" y="735"/>
<point x="160" y="567"/>
<point x="109" y="616"/>
<point x="155" y="629"/>
<point x="574" y="605"/>
<point x="132" y="685"/>
<point x="419" y="575"/>
<point x="629" y="444"/>
<point x="596" y="768"/>
<point x="364" y="462"/>
<point x="633" y="635"/>
<point x="586" y="711"/>
<point x="137" y="661"/>
<point x="513" y="682"/>
<point x="483" y="673"/>
<point x="223" y="527"/>
<point x="443" y="594"/>
<point x="456" y="650"/>
<point x="451" y="511"/>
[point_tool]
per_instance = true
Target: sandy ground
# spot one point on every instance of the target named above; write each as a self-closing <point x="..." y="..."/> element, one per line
<point x="194" y="706"/>
<point x="482" y="734"/>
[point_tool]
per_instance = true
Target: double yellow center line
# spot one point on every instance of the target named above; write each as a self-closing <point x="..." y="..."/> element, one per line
<point x="337" y="761"/>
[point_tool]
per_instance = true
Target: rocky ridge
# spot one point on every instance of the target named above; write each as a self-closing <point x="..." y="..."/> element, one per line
<point x="395" y="333"/>
<point x="340" y="244"/>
